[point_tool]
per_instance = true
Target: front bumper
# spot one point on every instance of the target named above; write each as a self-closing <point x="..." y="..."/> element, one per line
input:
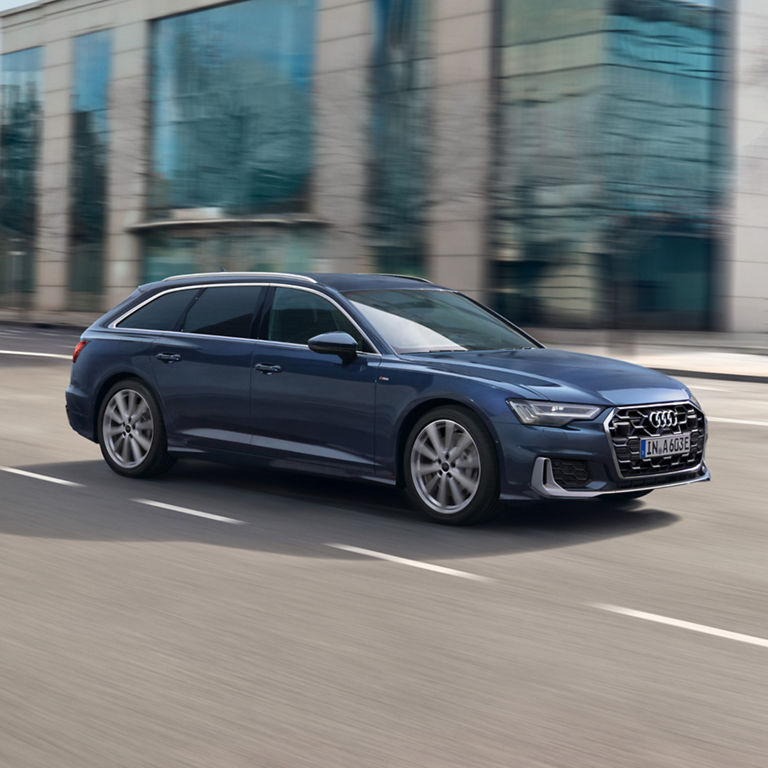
<point x="587" y="459"/>
<point x="544" y="484"/>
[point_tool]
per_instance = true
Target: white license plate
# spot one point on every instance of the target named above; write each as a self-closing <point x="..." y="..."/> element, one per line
<point x="665" y="446"/>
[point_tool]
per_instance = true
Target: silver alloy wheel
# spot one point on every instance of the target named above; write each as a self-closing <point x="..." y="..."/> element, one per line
<point x="445" y="466"/>
<point x="127" y="428"/>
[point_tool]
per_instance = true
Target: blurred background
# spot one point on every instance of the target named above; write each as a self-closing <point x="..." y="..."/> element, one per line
<point x="573" y="163"/>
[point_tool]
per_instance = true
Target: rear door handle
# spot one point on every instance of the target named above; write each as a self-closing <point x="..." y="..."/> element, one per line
<point x="168" y="357"/>
<point x="267" y="368"/>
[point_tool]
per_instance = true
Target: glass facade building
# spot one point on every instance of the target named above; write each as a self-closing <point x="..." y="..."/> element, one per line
<point x="89" y="168"/>
<point x="567" y="161"/>
<point x="609" y="203"/>
<point x="20" y="130"/>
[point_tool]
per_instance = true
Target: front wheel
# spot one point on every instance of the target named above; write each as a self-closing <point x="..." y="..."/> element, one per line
<point x="451" y="467"/>
<point x="131" y="432"/>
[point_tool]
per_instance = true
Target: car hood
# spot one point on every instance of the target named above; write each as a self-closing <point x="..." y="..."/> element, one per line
<point x="553" y="374"/>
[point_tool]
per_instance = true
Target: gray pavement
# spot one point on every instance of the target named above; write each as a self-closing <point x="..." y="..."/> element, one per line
<point x="133" y="635"/>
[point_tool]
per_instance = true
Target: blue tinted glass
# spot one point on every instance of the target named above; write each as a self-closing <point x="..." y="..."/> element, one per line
<point x="232" y="108"/>
<point x="265" y="249"/>
<point x="90" y="146"/>
<point x="21" y="118"/>
<point x="608" y="193"/>
<point x="399" y="135"/>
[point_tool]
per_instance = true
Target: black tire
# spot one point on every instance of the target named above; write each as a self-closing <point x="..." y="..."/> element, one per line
<point x="425" y="476"/>
<point x="131" y="431"/>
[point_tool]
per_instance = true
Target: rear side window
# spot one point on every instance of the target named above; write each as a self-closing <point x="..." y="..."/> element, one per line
<point x="160" y="314"/>
<point x="297" y="316"/>
<point x="224" y="311"/>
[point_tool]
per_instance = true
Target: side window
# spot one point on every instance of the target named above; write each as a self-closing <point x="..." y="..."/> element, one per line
<point x="296" y="316"/>
<point x="224" y="311"/>
<point x="162" y="313"/>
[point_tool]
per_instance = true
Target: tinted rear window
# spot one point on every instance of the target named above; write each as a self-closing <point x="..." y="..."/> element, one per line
<point x="224" y="311"/>
<point x="162" y="313"/>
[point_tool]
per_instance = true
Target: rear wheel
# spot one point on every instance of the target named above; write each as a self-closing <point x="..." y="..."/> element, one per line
<point x="451" y="467"/>
<point x="131" y="431"/>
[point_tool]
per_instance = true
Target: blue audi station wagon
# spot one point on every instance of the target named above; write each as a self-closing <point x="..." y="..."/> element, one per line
<point x="377" y="377"/>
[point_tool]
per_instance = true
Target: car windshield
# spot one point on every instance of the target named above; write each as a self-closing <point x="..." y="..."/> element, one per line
<point x="427" y="320"/>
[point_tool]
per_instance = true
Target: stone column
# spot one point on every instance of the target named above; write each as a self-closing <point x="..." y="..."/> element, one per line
<point x="461" y="129"/>
<point x="52" y="247"/>
<point x="341" y="130"/>
<point x="128" y="158"/>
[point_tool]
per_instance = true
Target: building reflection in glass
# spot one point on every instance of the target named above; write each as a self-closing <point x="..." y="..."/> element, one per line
<point x="611" y="133"/>
<point x="21" y="118"/>
<point x="90" y="149"/>
<point x="232" y="136"/>
<point x="231" y="109"/>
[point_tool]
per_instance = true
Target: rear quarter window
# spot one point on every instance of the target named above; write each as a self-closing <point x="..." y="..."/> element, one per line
<point x="161" y="314"/>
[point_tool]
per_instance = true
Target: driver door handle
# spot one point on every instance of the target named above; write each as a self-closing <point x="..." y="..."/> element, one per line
<point x="168" y="357"/>
<point x="267" y="368"/>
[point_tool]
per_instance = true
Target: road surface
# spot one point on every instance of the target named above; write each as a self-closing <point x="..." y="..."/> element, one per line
<point x="226" y="617"/>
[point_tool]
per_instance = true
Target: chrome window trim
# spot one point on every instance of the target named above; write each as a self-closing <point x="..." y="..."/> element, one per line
<point x="186" y="334"/>
<point x="607" y="431"/>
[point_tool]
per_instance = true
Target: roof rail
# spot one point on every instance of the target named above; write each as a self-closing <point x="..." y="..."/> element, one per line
<point x="240" y="274"/>
<point x="407" y="277"/>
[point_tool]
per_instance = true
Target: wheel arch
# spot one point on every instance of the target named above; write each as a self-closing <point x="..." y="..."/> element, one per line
<point x="106" y="385"/>
<point x="418" y="410"/>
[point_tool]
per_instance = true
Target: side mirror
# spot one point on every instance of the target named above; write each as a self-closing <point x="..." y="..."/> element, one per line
<point x="334" y="343"/>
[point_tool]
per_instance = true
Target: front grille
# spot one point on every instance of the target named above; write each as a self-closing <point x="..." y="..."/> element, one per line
<point x="570" y="473"/>
<point x="629" y="425"/>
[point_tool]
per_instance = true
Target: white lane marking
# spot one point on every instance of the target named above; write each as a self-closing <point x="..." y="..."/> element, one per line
<point x="36" y="476"/>
<point x="412" y="563"/>
<point x="738" y="421"/>
<point x="703" y="628"/>
<point x="35" y="354"/>
<point x="187" y="511"/>
<point x="708" y="389"/>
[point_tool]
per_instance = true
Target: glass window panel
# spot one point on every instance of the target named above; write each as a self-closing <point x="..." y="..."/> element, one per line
<point x="266" y="249"/>
<point x="90" y="152"/>
<point x="433" y="321"/>
<point x="296" y="316"/>
<point x="232" y="108"/>
<point x="224" y="311"/>
<point x="161" y="314"/>
<point x="21" y="111"/>
<point x="606" y="163"/>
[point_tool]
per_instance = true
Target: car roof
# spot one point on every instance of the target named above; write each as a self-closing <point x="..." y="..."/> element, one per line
<point x="335" y="280"/>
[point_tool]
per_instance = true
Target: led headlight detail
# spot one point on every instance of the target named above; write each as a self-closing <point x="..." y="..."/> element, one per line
<point x="544" y="413"/>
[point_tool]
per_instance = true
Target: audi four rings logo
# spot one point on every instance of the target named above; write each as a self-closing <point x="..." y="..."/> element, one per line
<point x="661" y="419"/>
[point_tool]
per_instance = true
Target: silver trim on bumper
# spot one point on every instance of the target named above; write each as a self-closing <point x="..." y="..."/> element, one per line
<point x="543" y="482"/>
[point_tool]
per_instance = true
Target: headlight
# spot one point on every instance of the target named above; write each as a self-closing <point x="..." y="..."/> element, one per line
<point x="544" y="413"/>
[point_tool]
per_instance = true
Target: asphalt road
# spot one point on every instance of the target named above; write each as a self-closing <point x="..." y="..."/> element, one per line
<point x="137" y="635"/>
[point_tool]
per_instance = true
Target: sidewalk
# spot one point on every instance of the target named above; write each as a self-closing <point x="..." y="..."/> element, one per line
<point x="730" y="357"/>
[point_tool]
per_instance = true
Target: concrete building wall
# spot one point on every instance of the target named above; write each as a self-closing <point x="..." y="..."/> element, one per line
<point x="341" y="122"/>
<point x="461" y="145"/>
<point x="747" y="268"/>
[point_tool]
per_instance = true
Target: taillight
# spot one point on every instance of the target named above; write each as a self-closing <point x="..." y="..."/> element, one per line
<point x="78" y="350"/>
